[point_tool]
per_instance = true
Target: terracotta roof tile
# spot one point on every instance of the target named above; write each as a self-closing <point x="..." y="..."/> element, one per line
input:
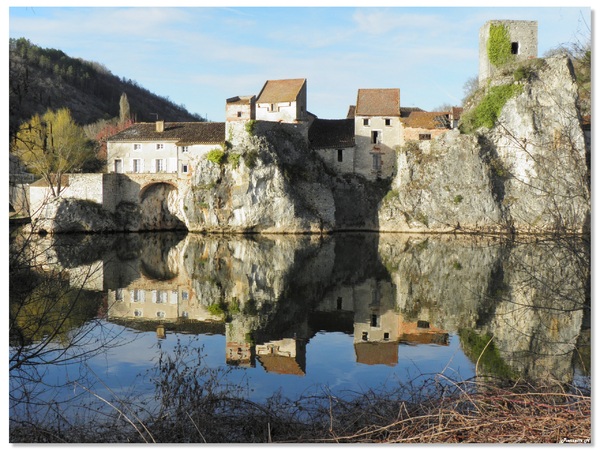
<point x="376" y="353"/>
<point x="423" y="119"/>
<point x="281" y="365"/>
<point x="331" y="133"/>
<point x="281" y="90"/>
<point x="181" y="132"/>
<point x="378" y="102"/>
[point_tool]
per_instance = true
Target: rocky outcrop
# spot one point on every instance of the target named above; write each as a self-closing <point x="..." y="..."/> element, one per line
<point x="528" y="173"/>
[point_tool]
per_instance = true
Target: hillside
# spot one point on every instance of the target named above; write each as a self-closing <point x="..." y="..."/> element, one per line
<point x="40" y="79"/>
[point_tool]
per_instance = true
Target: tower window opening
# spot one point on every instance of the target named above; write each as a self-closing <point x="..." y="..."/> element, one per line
<point x="514" y="48"/>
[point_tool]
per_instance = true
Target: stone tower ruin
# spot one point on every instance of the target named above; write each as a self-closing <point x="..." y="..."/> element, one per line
<point x="523" y="43"/>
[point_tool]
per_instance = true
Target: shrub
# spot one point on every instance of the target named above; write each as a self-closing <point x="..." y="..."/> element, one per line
<point x="234" y="159"/>
<point x="250" y="158"/>
<point x="458" y="199"/>
<point x="216" y="156"/>
<point x="250" y="126"/>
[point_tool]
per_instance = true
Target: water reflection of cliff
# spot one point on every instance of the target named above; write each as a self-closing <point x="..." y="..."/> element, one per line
<point x="270" y="295"/>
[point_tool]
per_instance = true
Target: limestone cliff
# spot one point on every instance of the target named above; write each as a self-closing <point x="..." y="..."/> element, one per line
<point x="525" y="173"/>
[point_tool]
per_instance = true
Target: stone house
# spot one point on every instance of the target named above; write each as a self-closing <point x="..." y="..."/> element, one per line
<point x="366" y="141"/>
<point x="425" y="126"/>
<point x="162" y="147"/>
<point x="333" y="141"/>
<point x="377" y="131"/>
<point x="282" y="101"/>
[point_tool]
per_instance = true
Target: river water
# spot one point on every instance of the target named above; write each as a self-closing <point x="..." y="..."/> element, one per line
<point x="94" y="317"/>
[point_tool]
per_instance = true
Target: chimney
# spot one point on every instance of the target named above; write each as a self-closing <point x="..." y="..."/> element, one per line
<point x="160" y="126"/>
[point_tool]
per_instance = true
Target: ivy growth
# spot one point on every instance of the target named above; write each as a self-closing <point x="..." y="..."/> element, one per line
<point x="499" y="45"/>
<point x="487" y="111"/>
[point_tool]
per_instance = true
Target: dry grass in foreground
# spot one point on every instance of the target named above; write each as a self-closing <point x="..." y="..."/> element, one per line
<point x="469" y="411"/>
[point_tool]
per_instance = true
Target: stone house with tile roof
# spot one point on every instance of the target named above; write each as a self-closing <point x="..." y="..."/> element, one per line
<point x="282" y="101"/>
<point x="425" y="126"/>
<point x="162" y="147"/>
<point x="333" y="141"/>
<point x="378" y="130"/>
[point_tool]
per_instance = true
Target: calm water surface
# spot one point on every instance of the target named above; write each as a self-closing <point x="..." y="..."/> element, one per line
<point x="293" y="315"/>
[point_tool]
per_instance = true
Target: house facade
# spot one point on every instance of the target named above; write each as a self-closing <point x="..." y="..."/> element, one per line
<point x="162" y="147"/>
<point x="282" y="101"/>
<point x="377" y="130"/>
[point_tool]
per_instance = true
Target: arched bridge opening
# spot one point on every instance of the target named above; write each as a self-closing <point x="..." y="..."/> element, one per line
<point x="159" y="207"/>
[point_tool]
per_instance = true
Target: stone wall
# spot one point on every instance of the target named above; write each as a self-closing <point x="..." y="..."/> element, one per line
<point x="523" y="33"/>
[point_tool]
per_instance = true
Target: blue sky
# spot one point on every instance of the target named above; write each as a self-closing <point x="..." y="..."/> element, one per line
<point x="200" y="56"/>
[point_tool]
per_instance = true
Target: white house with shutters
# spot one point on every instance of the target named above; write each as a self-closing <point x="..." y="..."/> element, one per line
<point x="162" y="147"/>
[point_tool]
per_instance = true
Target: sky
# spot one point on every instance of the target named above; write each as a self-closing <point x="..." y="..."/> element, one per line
<point x="201" y="55"/>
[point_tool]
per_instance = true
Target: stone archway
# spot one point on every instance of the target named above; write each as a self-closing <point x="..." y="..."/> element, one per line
<point x="158" y="207"/>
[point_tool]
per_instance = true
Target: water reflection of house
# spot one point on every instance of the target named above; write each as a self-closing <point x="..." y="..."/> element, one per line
<point x="421" y="332"/>
<point x="285" y="356"/>
<point x="156" y="300"/>
<point x="240" y="354"/>
<point x="372" y="353"/>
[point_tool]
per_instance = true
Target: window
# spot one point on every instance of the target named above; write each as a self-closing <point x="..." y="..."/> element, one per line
<point x="136" y="165"/>
<point x="272" y="108"/>
<point x="118" y="166"/>
<point x="160" y="314"/>
<point x="366" y="122"/>
<point x="386" y="336"/>
<point x="339" y="302"/>
<point x="119" y="295"/>
<point x="425" y="137"/>
<point x="185" y="168"/>
<point x="138" y="313"/>
<point x="160" y="146"/>
<point x="374" y="320"/>
<point x="185" y="295"/>
<point x="137" y="296"/>
<point x="388" y="122"/>
<point x="514" y="48"/>
<point x="340" y="155"/>
<point x="159" y="296"/>
<point x="160" y="165"/>
<point x="376" y="162"/>
<point x="137" y="147"/>
<point x="375" y="137"/>
<point x="174" y="297"/>
<point x="185" y="149"/>
<point x="239" y="114"/>
<point x="365" y="336"/>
